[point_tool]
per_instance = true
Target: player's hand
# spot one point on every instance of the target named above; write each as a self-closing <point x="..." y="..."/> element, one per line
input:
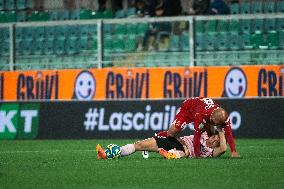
<point x="221" y="129"/>
<point x="161" y="134"/>
<point x="235" y="155"/>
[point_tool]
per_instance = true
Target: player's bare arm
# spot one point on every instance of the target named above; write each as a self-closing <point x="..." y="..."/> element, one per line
<point x="220" y="117"/>
<point x="235" y="154"/>
<point x="173" y="131"/>
<point x="229" y="137"/>
<point x="221" y="149"/>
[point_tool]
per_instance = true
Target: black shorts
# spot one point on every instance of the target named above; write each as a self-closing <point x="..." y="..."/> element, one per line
<point x="169" y="143"/>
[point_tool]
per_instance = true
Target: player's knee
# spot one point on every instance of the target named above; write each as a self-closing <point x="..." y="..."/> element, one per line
<point x="139" y="146"/>
<point x="142" y="145"/>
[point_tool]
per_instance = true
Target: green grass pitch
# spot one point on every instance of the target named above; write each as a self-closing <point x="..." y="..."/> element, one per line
<point x="68" y="164"/>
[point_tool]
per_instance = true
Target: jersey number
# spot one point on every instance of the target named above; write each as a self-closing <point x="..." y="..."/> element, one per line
<point x="209" y="103"/>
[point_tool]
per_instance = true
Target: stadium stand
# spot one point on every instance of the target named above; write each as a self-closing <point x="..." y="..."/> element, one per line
<point x="61" y="38"/>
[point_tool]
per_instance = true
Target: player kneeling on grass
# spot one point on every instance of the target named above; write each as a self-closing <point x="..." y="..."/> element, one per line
<point x="175" y="148"/>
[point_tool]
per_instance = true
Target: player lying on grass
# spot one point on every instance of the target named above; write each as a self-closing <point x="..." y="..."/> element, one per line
<point x="206" y="114"/>
<point x="174" y="148"/>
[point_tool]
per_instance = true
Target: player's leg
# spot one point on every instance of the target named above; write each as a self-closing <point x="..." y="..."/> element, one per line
<point x="172" y="154"/>
<point x="157" y="144"/>
<point x="147" y="144"/>
<point x="170" y="147"/>
<point x="128" y="149"/>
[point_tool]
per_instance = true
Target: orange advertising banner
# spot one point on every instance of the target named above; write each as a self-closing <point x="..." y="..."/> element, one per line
<point x="142" y="83"/>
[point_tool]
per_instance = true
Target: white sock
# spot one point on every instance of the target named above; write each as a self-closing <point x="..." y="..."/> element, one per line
<point x="127" y="149"/>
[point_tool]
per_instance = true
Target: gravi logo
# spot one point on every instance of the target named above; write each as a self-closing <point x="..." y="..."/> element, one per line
<point x="19" y="121"/>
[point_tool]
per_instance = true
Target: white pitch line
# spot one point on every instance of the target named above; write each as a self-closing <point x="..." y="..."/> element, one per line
<point x="45" y="151"/>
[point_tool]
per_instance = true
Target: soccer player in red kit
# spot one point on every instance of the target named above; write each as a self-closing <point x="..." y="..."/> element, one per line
<point x="206" y="114"/>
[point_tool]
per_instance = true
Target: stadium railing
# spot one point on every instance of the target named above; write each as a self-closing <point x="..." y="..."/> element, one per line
<point x="250" y="39"/>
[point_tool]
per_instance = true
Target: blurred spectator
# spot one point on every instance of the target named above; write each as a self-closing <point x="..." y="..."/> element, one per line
<point x="209" y="7"/>
<point x="200" y="7"/>
<point x="218" y="7"/>
<point x="187" y="6"/>
<point x="69" y="4"/>
<point x="104" y="5"/>
<point x="232" y="1"/>
<point x="117" y="4"/>
<point x="38" y="5"/>
<point x="151" y="5"/>
<point x="172" y="7"/>
<point x="157" y="29"/>
<point x="141" y="9"/>
<point x="131" y="3"/>
<point x="90" y="4"/>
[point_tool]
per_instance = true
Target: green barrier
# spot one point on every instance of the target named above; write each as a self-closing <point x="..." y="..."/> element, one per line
<point x="9" y="120"/>
<point x="19" y="121"/>
<point x="28" y="121"/>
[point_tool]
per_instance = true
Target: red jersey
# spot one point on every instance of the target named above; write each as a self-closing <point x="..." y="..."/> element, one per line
<point x="199" y="110"/>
